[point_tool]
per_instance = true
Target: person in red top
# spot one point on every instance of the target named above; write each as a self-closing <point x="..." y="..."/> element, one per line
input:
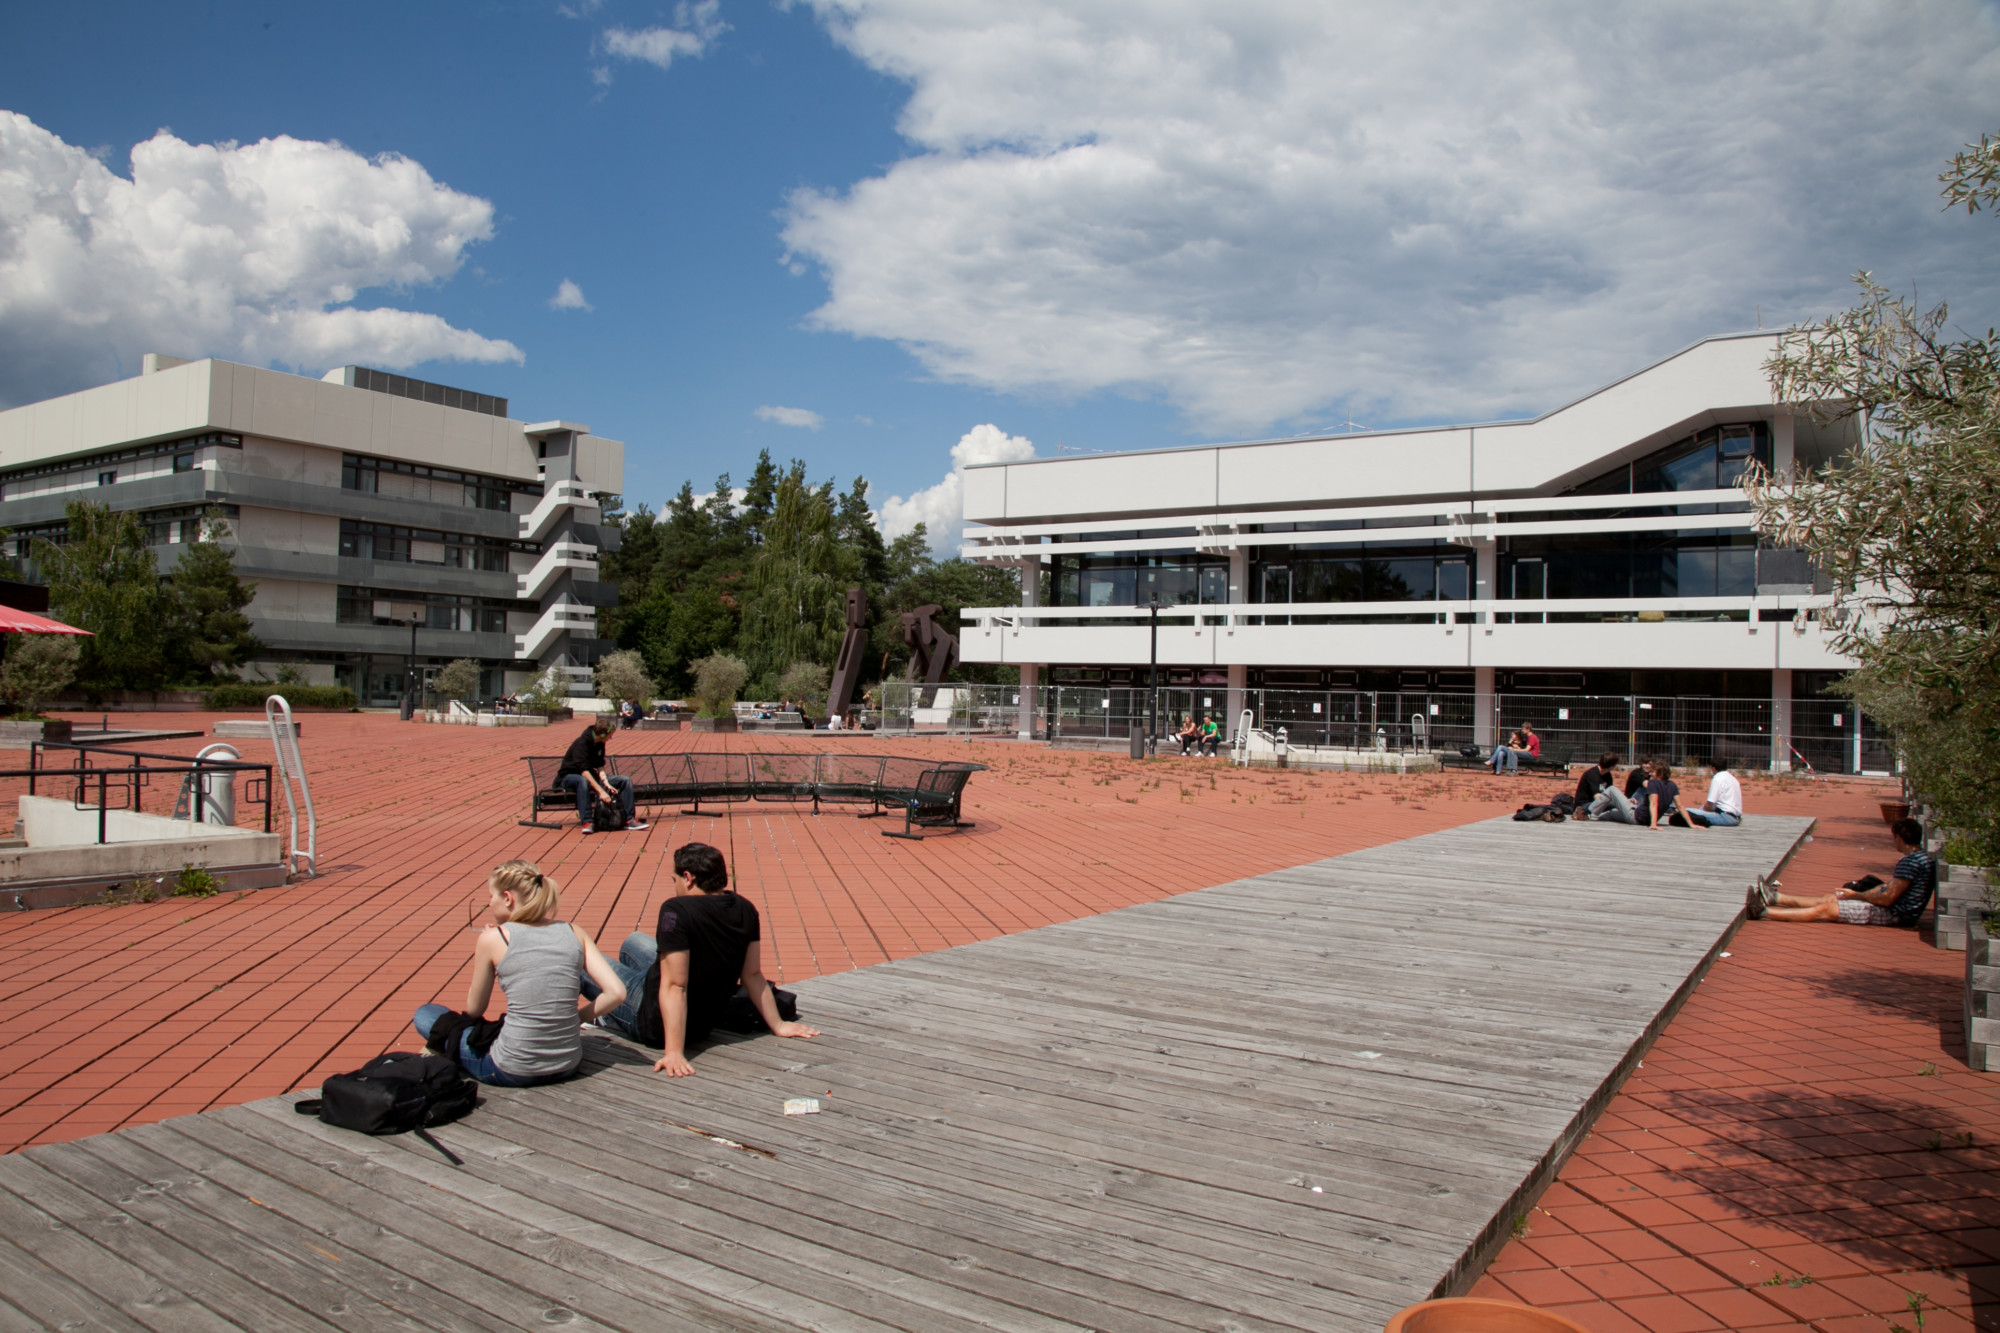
<point x="1531" y="740"/>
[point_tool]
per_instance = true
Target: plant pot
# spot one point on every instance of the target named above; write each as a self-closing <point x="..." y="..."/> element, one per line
<point x="1982" y="993"/>
<point x="1470" y="1314"/>
<point x="1894" y="810"/>
<point x="713" y="724"/>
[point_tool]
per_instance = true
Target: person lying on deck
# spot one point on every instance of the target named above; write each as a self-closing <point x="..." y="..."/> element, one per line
<point x="1866" y="901"/>
<point x="536" y="960"/>
<point x="682" y="981"/>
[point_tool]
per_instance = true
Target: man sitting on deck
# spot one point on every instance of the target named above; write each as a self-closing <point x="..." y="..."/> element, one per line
<point x="681" y="981"/>
<point x="1866" y="901"/>
<point x="1597" y="794"/>
<point x="1725" y="799"/>
<point x="583" y="772"/>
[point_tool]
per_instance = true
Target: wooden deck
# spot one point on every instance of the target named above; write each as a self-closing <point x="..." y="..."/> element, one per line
<point x="1297" y="1101"/>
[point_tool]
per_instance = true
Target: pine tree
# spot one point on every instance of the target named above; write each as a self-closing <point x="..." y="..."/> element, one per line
<point x="207" y="633"/>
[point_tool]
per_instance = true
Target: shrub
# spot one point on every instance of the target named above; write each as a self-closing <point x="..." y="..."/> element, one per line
<point x="240" y="695"/>
<point x="718" y="680"/>
<point x="550" y="691"/>
<point x="194" y="881"/>
<point x="458" y="679"/>
<point x="622" y="675"/>
<point x="805" y="684"/>
<point x="37" y="668"/>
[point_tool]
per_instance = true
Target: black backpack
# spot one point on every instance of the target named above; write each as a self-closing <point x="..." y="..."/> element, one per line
<point x="607" y="817"/>
<point x="393" y="1093"/>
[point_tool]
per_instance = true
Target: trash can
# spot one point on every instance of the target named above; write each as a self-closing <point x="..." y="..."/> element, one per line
<point x="1284" y="747"/>
<point x="209" y="795"/>
<point x="1138" y="740"/>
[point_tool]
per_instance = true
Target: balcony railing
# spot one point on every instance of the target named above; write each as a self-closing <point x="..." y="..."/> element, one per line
<point x="1799" y="609"/>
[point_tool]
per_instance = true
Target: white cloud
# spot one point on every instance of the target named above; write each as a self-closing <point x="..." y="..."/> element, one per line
<point x="792" y="416"/>
<point x="699" y="28"/>
<point x="250" y="251"/>
<point x="569" y="296"/>
<point x="941" y="508"/>
<point x="1283" y="207"/>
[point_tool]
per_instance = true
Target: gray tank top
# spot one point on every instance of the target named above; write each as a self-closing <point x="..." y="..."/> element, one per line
<point x="539" y="971"/>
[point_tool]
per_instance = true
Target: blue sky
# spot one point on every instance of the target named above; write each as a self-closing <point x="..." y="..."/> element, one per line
<point x="1096" y="226"/>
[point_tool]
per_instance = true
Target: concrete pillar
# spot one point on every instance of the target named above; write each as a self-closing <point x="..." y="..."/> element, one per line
<point x="1239" y="672"/>
<point x="1781" y="721"/>
<point x="1031" y="594"/>
<point x="1782" y="444"/>
<point x="1482" y="707"/>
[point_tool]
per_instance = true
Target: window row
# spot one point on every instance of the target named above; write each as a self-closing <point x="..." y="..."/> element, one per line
<point x="421" y="546"/>
<point x="437" y="485"/>
<point x="378" y="606"/>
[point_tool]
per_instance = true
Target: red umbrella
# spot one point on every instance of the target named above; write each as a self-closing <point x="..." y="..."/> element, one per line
<point x="27" y="622"/>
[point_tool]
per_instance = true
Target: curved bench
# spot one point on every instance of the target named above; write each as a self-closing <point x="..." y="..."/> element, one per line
<point x="930" y="792"/>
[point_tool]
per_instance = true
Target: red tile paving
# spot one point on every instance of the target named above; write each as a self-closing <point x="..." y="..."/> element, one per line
<point x="1778" y="1129"/>
<point x="123" y="1015"/>
<point x="1771" y="1166"/>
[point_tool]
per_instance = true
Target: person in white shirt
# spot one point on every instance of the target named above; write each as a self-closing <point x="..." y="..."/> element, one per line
<point x="1724" y="807"/>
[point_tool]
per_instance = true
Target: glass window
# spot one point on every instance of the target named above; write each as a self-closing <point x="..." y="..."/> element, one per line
<point x="183" y="462"/>
<point x="1454" y="581"/>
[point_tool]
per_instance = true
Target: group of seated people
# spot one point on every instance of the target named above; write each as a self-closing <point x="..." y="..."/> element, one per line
<point x="1204" y="738"/>
<point x="1651" y="797"/>
<point x="1521" y="742"/>
<point x="699" y="970"/>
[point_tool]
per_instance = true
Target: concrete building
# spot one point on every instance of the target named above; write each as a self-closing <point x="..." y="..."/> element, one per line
<point x="1451" y="570"/>
<point x="358" y="503"/>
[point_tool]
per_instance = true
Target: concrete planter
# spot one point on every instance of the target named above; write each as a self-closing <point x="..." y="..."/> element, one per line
<point x="556" y="714"/>
<point x="1961" y="890"/>
<point x="660" y="723"/>
<point x="1982" y="994"/>
<point x="21" y="735"/>
<point x="719" y="725"/>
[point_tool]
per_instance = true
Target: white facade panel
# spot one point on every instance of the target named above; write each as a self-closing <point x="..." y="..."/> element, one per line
<point x="1131" y="483"/>
<point x="1345" y="471"/>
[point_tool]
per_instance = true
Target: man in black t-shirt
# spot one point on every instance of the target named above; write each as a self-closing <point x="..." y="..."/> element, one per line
<point x="583" y="772"/>
<point x="1863" y="902"/>
<point x="680" y="981"/>
<point x="1597" y="792"/>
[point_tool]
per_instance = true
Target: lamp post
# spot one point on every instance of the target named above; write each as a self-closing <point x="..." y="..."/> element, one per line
<point x="410" y="680"/>
<point x="1153" y="682"/>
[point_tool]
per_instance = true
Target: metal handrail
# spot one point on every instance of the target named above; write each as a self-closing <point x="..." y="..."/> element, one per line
<point x="292" y="768"/>
<point x="131" y="777"/>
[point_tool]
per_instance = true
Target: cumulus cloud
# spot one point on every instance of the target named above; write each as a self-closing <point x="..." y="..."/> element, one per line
<point x="569" y="296"/>
<point x="941" y="508"/>
<point x="1279" y="208"/>
<point x="792" y="416"/>
<point x="249" y="251"/>
<point x="699" y="27"/>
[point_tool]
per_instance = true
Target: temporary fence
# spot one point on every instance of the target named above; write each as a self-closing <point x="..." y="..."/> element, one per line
<point x="1829" y="736"/>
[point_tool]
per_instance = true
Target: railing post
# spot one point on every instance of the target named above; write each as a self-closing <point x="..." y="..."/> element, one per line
<point x="102" y="774"/>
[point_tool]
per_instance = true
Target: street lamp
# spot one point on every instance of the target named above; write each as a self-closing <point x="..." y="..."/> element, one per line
<point x="398" y="612"/>
<point x="1153" y="683"/>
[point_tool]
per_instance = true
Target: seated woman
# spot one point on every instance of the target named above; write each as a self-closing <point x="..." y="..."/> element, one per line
<point x="537" y="960"/>
<point x="1866" y="901"/>
<point x="1508" y="755"/>
<point x="1662" y="799"/>
<point x="680" y="981"/>
<point x="1189" y="735"/>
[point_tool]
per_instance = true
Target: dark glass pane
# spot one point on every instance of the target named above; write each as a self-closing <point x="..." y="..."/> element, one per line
<point x="1736" y="571"/>
<point x="1454" y="581"/>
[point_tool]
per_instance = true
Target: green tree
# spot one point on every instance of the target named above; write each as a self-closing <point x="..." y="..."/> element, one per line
<point x="718" y="680"/>
<point x="207" y="633"/>
<point x="458" y="679"/>
<point x="102" y="577"/>
<point x="795" y="607"/>
<point x="1904" y="524"/>
<point x="805" y="684"/>
<point x="38" y="668"/>
<point x="622" y="675"/>
<point x="951" y="585"/>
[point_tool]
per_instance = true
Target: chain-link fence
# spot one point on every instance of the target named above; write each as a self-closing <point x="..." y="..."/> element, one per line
<point x="1829" y="735"/>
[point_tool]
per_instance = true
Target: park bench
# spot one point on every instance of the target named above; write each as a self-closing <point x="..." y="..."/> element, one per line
<point x="1556" y="759"/>
<point x="929" y="792"/>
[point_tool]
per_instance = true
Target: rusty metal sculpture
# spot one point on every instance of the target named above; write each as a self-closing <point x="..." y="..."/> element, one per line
<point x="933" y="650"/>
<point x="847" y="668"/>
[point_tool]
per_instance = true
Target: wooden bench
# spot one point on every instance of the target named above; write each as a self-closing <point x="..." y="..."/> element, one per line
<point x="930" y="792"/>
<point x="1557" y="759"/>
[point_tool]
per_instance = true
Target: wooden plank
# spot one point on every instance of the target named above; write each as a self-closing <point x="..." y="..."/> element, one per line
<point x="1114" y="1123"/>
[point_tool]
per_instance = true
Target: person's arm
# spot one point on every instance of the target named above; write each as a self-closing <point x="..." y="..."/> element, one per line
<point x="1653" y="804"/>
<point x="1882" y="895"/>
<point x="611" y="992"/>
<point x="485" y="961"/>
<point x="759" y="991"/>
<point x="674" y="1014"/>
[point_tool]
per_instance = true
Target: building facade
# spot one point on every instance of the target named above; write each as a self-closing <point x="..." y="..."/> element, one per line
<point x="1601" y="554"/>
<point x="360" y="504"/>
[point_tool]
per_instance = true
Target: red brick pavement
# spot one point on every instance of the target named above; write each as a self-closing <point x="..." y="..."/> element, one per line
<point x="113" y="1016"/>
<point x="1790" y="1156"/>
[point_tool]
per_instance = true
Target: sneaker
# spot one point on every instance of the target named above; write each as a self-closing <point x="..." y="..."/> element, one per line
<point x="1768" y="891"/>
<point x="589" y="829"/>
<point x="637" y="826"/>
<point x="1753" y="903"/>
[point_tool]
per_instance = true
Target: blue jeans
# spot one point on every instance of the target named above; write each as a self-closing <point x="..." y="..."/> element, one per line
<point x="477" y="1066"/>
<point x="1510" y="757"/>
<point x="635" y="959"/>
<point x="1716" y="818"/>
<point x="586" y="795"/>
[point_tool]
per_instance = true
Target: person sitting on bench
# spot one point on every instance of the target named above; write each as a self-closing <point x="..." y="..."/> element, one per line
<point x="1189" y="735"/>
<point x="583" y="772"/>
<point x="1866" y="901"/>
<point x="1508" y="756"/>
<point x="681" y="980"/>
<point x="1211" y="735"/>
<point x="1597" y="792"/>
<point x="1724" y="807"/>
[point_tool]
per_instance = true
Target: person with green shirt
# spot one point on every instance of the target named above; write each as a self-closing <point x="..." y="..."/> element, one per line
<point x="1211" y="735"/>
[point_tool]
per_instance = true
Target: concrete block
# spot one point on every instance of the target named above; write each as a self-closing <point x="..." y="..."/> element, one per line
<point x="253" y="731"/>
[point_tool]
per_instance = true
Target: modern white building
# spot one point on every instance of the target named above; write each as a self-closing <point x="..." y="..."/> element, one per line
<point x="358" y="503"/>
<point x="1598" y="560"/>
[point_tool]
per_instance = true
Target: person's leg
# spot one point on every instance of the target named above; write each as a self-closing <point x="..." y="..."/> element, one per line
<point x="579" y="784"/>
<point x="635" y="959"/>
<point x="1499" y="753"/>
<point x="1716" y="818"/>
<point x="1513" y="759"/>
<point x="1792" y="908"/>
<point x="626" y="800"/>
<point x="426" y="1019"/>
<point x="481" y="1069"/>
